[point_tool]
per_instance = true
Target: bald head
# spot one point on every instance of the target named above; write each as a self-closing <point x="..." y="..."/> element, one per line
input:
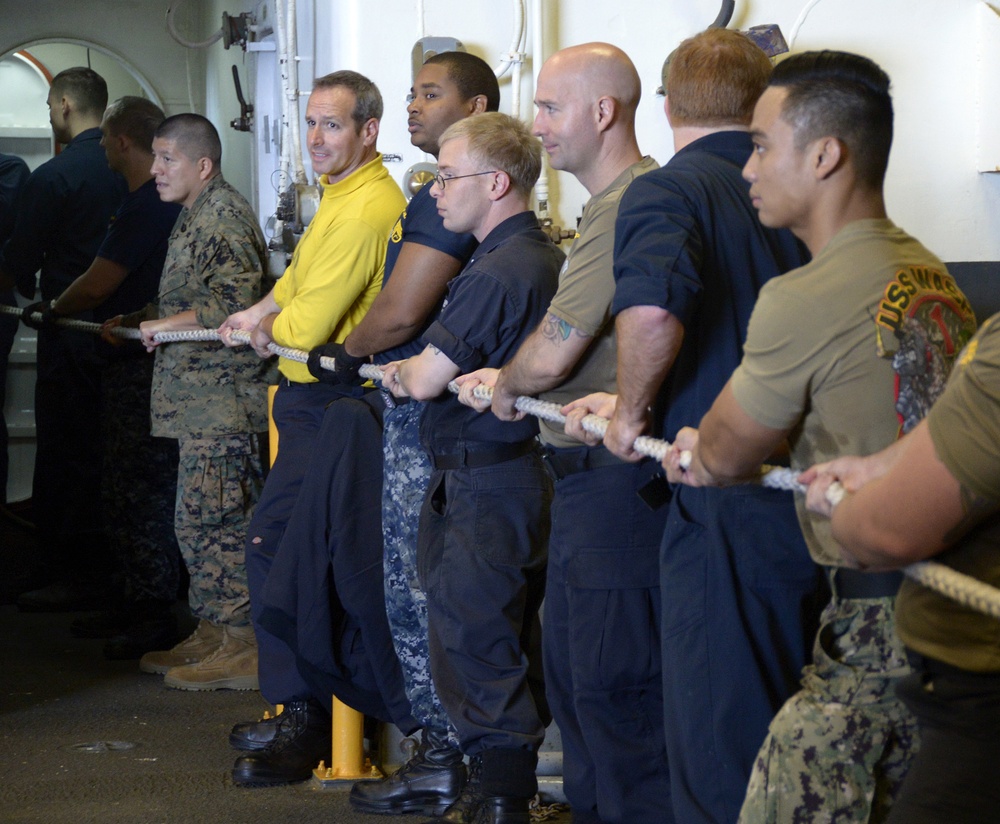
<point x="599" y="70"/>
<point x="587" y="96"/>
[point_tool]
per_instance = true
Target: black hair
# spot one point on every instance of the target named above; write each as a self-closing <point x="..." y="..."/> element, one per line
<point x="845" y="96"/>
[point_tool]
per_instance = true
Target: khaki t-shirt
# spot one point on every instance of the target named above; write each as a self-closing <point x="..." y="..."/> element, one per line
<point x="965" y="428"/>
<point x="845" y="349"/>
<point x="586" y="289"/>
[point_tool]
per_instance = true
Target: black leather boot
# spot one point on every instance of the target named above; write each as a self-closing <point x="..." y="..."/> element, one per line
<point x="503" y="810"/>
<point x="252" y="736"/>
<point x="301" y="740"/>
<point x="145" y="635"/>
<point x="428" y="783"/>
<point x="507" y="786"/>
<point x="464" y="810"/>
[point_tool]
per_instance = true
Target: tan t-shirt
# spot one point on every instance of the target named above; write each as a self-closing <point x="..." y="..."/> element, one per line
<point x="586" y="289"/>
<point x="965" y="428"/>
<point x="822" y="344"/>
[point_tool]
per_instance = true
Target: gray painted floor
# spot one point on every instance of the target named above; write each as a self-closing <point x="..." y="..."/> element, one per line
<point x="84" y="740"/>
<point x="59" y="697"/>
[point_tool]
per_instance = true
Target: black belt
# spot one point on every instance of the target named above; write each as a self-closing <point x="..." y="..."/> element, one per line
<point x="853" y="583"/>
<point x="483" y="457"/>
<point x="569" y="461"/>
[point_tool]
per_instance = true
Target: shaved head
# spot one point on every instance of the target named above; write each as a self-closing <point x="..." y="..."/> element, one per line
<point x="599" y="70"/>
<point x="586" y="97"/>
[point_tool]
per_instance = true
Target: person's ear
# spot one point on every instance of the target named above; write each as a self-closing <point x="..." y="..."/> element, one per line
<point x="500" y="185"/>
<point x="828" y="155"/>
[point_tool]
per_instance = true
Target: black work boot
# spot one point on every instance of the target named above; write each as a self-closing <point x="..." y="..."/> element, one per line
<point x="301" y="740"/>
<point x="146" y="635"/>
<point x="501" y="809"/>
<point x="252" y="736"/>
<point x="148" y="625"/>
<point x="428" y="783"/>
<point x="507" y="786"/>
<point x="464" y="810"/>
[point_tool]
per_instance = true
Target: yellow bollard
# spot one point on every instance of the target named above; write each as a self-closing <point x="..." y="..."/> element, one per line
<point x="272" y="430"/>
<point x="348" y="762"/>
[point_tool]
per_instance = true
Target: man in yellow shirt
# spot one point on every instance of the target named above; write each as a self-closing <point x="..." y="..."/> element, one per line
<point x="334" y="276"/>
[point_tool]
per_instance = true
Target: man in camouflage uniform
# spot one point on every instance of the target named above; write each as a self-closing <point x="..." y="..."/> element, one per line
<point x="211" y="399"/>
<point x="839" y="749"/>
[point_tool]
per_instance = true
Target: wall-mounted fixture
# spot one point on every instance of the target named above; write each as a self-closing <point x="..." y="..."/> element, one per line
<point x="243" y="123"/>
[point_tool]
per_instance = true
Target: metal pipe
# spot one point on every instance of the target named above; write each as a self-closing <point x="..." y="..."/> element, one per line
<point x="515" y="41"/>
<point x="725" y="14"/>
<point x="537" y="58"/>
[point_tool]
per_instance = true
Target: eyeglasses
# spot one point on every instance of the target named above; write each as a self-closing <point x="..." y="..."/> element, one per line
<point x="440" y="179"/>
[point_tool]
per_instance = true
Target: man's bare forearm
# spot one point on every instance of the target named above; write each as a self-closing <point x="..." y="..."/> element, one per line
<point x="649" y="339"/>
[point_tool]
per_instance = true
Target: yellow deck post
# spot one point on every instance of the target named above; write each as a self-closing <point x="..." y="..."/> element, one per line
<point x="348" y="761"/>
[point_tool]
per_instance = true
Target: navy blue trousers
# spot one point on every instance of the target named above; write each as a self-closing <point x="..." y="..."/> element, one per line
<point x="481" y="553"/>
<point x="8" y="332"/>
<point x="66" y="488"/>
<point x="601" y="643"/>
<point x="298" y="412"/>
<point x="741" y="602"/>
<point x="323" y="599"/>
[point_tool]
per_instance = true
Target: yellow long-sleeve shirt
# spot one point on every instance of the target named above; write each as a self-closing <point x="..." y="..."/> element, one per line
<point x="337" y="268"/>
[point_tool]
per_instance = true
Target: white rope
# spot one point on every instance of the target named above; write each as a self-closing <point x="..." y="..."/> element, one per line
<point x="964" y="589"/>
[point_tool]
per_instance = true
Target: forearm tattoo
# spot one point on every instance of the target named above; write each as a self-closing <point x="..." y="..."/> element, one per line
<point x="557" y="330"/>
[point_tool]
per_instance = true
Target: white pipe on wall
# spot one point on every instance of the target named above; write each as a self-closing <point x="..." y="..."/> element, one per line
<point x="292" y="169"/>
<point x="285" y="151"/>
<point x="295" y="136"/>
<point x="537" y="58"/>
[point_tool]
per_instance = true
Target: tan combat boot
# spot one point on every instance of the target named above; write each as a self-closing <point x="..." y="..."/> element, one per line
<point x="233" y="666"/>
<point x="201" y="643"/>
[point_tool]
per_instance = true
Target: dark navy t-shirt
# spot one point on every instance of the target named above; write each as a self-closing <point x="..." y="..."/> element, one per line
<point x="688" y="240"/>
<point x="137" y="239"/>
<point x="491" y="307"/>
<point x="62" y="216"/>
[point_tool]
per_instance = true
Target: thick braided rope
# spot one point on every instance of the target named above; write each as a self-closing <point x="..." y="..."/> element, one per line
<point x="961" y="588"/>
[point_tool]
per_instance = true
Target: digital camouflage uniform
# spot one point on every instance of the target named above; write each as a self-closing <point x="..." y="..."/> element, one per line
<point x="407" y="475"/>
<point x="213" y="399"/>
<point x="862" y="735"/>
<point x="138" y="504"/>
<point x="218" y="482"/>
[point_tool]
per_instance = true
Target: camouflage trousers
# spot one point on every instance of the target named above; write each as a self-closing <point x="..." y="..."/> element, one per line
<point x="219" y="481"/>
<point x="138" y="484"/>
<point x="404" y="487"/>
<point x="838" y="750"/>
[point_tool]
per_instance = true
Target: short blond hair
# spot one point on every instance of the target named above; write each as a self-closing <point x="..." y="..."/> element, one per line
<point x="499" y="141"/>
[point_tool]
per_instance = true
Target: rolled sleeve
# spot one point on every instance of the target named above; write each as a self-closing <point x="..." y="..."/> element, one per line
<point x="658" y="250"/>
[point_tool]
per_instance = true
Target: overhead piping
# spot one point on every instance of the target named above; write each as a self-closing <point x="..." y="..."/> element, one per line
<point x="725" y="14"/>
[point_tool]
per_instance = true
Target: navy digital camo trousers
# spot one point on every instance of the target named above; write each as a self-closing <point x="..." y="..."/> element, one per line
<point x="839" y="749"/>
<point x="407" y="474"/>
<point x="138" y="484"/>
